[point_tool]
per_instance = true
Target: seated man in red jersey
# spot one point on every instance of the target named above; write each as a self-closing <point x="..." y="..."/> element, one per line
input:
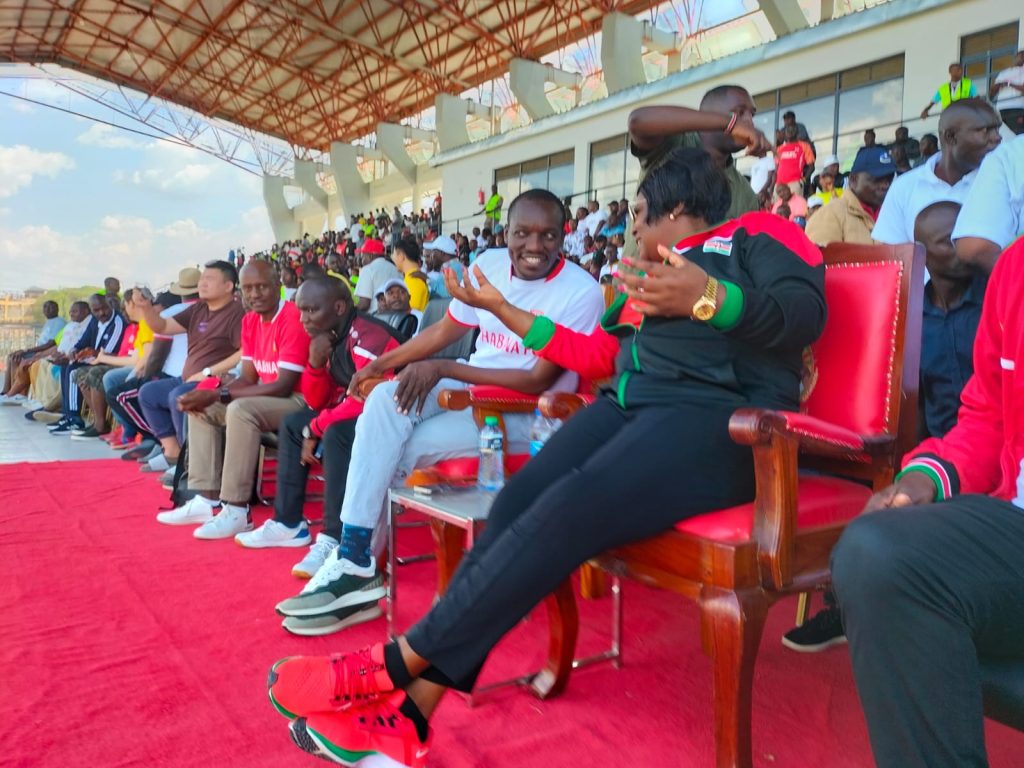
<point x="225" y="418"/>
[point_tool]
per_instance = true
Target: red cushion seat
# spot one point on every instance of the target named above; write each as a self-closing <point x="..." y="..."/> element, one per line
<point x="822" y="501"/>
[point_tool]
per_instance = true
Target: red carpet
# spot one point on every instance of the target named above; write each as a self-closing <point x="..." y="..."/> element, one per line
<point x="127" y="643"/>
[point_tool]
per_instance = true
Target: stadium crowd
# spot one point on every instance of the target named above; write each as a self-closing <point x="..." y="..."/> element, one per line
<point x="696" y="298"/>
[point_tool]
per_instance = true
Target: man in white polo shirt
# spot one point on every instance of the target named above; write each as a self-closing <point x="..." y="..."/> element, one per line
<point x="993" y="216"/>
<point x="225" y="418"/>
<point x="403" y="427"/>
<point x="1007" y="91"/>
<point x="968" y="130"/>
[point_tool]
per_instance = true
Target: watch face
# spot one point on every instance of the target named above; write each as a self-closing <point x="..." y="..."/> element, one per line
<point x="704" y="311"/>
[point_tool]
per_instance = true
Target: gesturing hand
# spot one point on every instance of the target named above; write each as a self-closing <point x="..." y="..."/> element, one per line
<point x="485" y="297"/>
<point x="913" y="488"/>
<point x="414" y="384"/>
<point x="666" y="289"/>
<point x="320" y="347"/>
<point x="308" y="455"/>
<point x="745" y="131"/>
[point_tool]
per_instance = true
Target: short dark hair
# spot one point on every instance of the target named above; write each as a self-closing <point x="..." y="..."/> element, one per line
<point x="689" y="176"/>
<point x="80" y="303"/>
<point x="541" y="196"/>
<point x="410" y="248"/>
<point x="789" y="113"/>
<point x="931" y="136"/>
<point x="720" y="92"/>
<point x="226" y="268"/>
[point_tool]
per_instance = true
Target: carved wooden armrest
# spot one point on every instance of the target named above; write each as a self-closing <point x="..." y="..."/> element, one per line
<point x="562" y="405"/>
<point x="366" y="386"/>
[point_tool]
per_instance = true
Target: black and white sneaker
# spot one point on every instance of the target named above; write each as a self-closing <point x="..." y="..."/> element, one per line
<point x="822" y="631"/>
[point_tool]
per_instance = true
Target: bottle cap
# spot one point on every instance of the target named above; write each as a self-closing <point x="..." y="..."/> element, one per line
<point x="491" y="421"/>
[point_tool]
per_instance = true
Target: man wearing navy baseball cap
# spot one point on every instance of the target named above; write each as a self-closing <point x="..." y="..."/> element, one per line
<point x="851" y="218"/>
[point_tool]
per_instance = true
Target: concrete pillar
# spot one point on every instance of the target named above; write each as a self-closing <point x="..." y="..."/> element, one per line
<point x="391" y="141"/>
<point x="784" y="16"/>
<point x="527" y="80"/>
<point x="282" y="222"/>
<point x="450" y="112"/>
<point x="353" y="192"/>
<point x="622" y="39"/>
<point x="305" y="177"/>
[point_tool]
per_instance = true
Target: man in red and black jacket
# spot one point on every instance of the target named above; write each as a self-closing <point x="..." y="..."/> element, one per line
<point x="933" y="580"/>
<point x="343" y="341"/>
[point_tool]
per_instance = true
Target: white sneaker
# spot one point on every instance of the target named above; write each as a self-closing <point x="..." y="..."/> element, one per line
<point x="314" y="559"/>
<point x="225" y="524"/>
<point x="12" y="399"/>
<point x="193" y="512"/>
<point x="31" y="405"/>
<point x="334" y="567"/>
<point x="275" y="534"/>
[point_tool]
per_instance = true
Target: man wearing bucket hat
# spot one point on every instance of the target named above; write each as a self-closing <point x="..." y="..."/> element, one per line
<point x="440" y="254"/>
<point x="376" y="270"/>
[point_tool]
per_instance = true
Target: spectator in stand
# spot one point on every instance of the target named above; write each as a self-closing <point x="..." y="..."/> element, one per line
<point x="679" y="380"/>
<point x="390" y="441"/>
<point x="814" y="204"/>
<point x="899" y="159"/>
<point x="406" y="258"/>
<point x="795" y="161"/>
<point x="492" y="209"/>
<point x="611" y="262"/>
<point x="929" y="147"/>
<point x="213" y="326"/>
<point x="828" y="190"/>
<point x="289" y="283"/>
<point x="788" y="119"/>
<point x="723" y="125"/>
<point x="440" y="254"/>
<point x="762" y="178"/>
<point x="1007" y="91"/>
<point x="851" y="218"/>
<point x="573" y="245"/>
<point x="993" y="214"/>
<point x="397" y="312"/>
<point x="342" y="342"/>
<point x="376" y="270"/>
<point x="106" y="371"/>
<point x="16" y="378"/>
<point x="44" y="379"/>
<point x="102" y="334"/>
<point x="225" y="418"/>
<point x="957" y="89"/>
<point x="594" y="223"/>
<point x="911" y="147"/>
<point x="796" y="203"/>
<point x="782" y="209"/>
<point x="968" y="130"/>
<point x="616" y="221"/>
<point x="932" y="580"/>
<point x="869" y="138"/>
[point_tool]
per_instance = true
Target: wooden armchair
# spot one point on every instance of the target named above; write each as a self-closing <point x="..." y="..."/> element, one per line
<point x="857" y="422"/>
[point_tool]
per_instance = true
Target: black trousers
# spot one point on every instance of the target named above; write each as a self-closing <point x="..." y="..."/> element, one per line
<point x="292" y="476"/>
<point x="606" y="478"/>
<point x="124" y="402"/>
<point x="925" y="592"/>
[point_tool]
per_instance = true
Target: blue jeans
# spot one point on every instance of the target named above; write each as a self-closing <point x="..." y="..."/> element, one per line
<point x="112" y="380"/>
<point x="159" y="404"/>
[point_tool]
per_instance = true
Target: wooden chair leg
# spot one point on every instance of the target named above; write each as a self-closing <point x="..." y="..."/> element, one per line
<point x="592" y="584"/>
<point x="731" y="627"/>
<point x="449" y="543"/>
<point x="803" y="608"/>
<point x="563" y="629"/>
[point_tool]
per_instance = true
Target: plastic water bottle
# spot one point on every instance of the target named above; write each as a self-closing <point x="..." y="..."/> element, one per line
<point x="491" y="474"/>
<point x="541" y="431"/>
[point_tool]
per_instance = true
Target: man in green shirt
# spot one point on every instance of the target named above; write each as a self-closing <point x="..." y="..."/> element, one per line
<point x="492" y="210"/>
<point x="723" y="125"/>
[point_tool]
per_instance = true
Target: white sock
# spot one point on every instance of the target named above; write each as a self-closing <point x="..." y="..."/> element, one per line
<point x="225" y="507"/>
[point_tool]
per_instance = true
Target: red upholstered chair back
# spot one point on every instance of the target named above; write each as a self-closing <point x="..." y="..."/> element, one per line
<point x="865" y="379"/>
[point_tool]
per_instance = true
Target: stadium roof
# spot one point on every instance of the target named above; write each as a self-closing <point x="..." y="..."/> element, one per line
<point x="307" y="71"/>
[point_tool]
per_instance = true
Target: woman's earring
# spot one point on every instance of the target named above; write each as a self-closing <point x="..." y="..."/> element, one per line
<point x="672" y="216"/>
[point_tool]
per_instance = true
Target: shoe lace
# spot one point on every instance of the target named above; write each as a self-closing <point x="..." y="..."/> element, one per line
<point x="354" y="679"/>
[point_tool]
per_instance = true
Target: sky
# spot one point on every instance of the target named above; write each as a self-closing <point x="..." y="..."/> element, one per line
<point x="80" y="200"/>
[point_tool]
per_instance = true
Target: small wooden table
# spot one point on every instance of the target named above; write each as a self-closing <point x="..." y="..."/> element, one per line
<point x="457" y="515"/>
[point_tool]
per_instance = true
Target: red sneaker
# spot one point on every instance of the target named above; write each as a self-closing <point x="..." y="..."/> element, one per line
<point x="378" y="729"/>
<point x="301" y="685"/>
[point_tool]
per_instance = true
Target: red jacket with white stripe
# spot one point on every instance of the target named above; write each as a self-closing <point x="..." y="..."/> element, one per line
<point x="326" y="389"/>
<point x="984" y="451"/>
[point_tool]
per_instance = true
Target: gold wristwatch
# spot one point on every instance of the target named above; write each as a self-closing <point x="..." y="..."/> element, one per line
<point x="707" y="304"/>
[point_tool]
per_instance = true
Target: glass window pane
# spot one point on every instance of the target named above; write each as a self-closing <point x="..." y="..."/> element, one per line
<point x="765" y="102"/>
<point x="507" y="180"/>
<point x="819" y="117"/>
<point x="609" y="146"/>
<point x="560" y="179"/>
<point x="607" y="174"/>
<point x="766" y="122"/>
<point x="871" y="107"/>
<point x="989" y="40"/>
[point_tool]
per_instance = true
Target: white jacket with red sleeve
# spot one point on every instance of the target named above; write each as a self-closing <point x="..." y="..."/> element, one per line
<point x="984" y="452"/>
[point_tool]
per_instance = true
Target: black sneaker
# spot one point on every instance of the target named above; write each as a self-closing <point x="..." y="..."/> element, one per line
<point x="822" y="631"/>
<point x="90" y="433"/>
<point x="66" y="428"/>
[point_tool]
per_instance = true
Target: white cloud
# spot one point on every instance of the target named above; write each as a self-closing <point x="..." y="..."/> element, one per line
<point x="187" y="178"/>
<point x="23" y="107"/>
<point x="108" y="137"/>
<point x="133" y="248"/>
<point x="19" y="165"/>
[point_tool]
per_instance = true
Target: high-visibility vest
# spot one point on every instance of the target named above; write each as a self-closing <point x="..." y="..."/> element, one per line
<point x="962" y="91"/>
